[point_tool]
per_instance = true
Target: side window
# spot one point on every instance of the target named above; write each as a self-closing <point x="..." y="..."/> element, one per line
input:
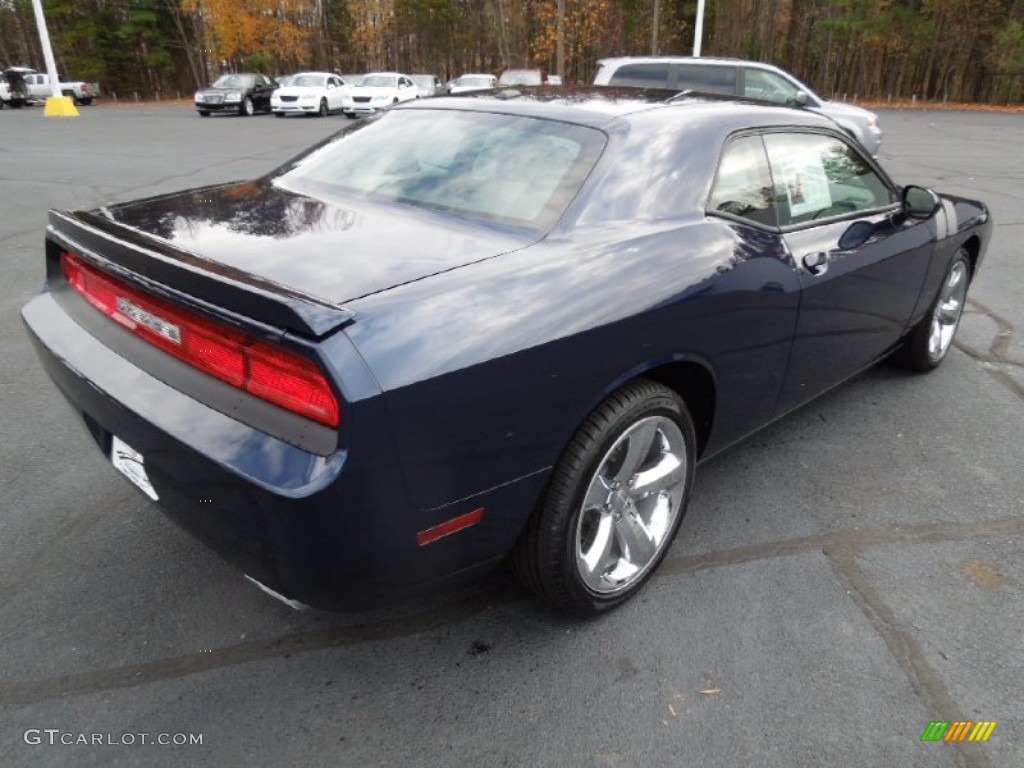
<point x="642" y="76"/>
<point x="707" y="77"/>
<point x="818" y="176"/>
<point x="761" y="84"/>
<point x="743" y="184"/>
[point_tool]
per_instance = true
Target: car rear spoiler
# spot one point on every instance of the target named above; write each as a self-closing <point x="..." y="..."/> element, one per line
<point x="211" y="282"/>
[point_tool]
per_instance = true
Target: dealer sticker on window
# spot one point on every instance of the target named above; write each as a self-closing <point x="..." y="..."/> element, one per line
<point x="130" y="463"/>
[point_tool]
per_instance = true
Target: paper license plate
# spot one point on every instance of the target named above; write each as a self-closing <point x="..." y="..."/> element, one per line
<point x="130" y="463"/>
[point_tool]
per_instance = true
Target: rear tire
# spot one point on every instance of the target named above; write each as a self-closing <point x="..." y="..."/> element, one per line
<point x="927" y="345"/>
<point x="614" y="502"/>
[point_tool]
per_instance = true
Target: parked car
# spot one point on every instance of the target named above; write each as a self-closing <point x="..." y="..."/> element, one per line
<point x="751" y="79"/>
<point x="519" y="77"/>
<point x="427" y="85"/>
<point x="479" y="326"/>
<point x="241" y="93"/>
<point x="377" y="91"/>
<point x="39" y="89"/>
<point x="472" y="82"/>
<point x="13" y="90"/>
<point x="309" y="93"/>
<point x="5" y="91"/>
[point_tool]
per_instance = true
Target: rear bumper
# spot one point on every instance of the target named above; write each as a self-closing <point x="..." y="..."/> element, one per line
<point x="329" y="531"/>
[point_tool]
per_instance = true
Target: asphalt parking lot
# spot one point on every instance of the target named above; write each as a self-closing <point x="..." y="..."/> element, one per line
<point x="842" y="578"/>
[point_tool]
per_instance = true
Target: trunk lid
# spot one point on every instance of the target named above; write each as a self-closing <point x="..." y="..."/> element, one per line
<point x="332" y="252"/>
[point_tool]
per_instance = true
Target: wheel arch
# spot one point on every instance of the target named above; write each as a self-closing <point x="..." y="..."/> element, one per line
<point x="973" y="247"/>
<point x="689" y="377"/>
<point x="694" y="383"/>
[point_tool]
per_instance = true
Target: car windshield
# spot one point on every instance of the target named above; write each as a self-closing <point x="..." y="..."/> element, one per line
<point x="379" y="81"/>
<point x="352" y="79"/>
<point x="478" y="81"/>
<point x="521" y="77"/>
<point x="234" y="81"/>
<point x="308" y="81"/>
<point x="518" y="170"/>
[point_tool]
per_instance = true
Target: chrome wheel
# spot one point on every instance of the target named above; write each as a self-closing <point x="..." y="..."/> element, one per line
<point x="949" y="307"/>
<point x="631" y="505"/>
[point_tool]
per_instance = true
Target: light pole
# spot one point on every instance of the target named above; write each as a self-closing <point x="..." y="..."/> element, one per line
<point x="698" y="30"/>
<point x="57" y="105"/>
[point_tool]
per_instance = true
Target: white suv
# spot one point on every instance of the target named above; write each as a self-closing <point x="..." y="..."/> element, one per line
<point x="748" y="79"/>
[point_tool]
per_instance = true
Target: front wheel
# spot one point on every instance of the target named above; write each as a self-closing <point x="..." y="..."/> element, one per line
<point x="614" y="502"/>
<point x="323" y="108"/>
<point x="203" y="113"/>
<point x="930" y="340"/>
<point x="246" y="109"/>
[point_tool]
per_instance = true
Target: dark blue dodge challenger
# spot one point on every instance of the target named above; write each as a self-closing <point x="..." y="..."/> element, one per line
<point x="475" y="328"/>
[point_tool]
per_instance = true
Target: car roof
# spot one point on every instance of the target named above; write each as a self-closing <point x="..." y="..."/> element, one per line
<point x="389" y="74"/>
<point x="700" y="60"/>
<point x="596" y="106"/>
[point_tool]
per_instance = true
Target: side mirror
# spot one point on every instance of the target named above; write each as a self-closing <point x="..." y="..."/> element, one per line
<point x="856" y="235"/>
<point x="919" y="203"/>
<point x="801" y="99"/>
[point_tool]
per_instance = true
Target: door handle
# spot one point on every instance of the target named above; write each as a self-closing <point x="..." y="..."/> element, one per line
<point x="816" y="263"/>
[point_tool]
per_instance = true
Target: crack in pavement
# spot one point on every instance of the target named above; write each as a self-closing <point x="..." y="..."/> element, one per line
<point x="846" y="543"/>
<point x="996" y="359"/>
<point x="925" y="681"/>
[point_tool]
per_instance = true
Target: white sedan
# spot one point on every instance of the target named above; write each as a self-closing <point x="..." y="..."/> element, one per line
<point x="309" y="93"/>
<point x="472" y="82"/>
<point x="377" y="91"/>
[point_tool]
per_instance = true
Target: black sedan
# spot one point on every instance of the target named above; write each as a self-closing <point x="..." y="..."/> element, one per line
<point x="474" y="328"/>
<point x="241" y="93"/>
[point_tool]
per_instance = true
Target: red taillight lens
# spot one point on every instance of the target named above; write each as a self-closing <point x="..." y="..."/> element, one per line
<point x="274" y="374"/>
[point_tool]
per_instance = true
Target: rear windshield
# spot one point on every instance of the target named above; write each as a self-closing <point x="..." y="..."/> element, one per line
<point x="519" y="170"/>
<point x="479" y="81"/>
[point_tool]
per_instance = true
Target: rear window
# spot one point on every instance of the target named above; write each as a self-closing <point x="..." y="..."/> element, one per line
<point x="519" y="170"/>
<point x="703" y="77"/>
<point x="641" y="76"/>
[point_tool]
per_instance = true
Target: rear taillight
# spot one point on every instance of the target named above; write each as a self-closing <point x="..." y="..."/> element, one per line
<point x="269" y="372"/>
